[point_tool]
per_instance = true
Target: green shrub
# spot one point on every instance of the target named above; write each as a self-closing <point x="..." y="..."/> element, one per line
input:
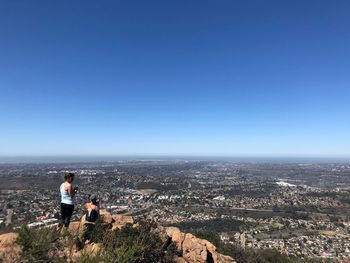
<point x="37" y="243"/>
<point x="140" y="244"/>
<point x="125" y="245"/>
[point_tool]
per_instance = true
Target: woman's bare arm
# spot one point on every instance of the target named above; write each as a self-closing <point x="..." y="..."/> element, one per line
<point x="70" y="190"/>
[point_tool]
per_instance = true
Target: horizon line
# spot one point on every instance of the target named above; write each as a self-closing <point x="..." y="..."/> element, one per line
<point x="73" y="158"/>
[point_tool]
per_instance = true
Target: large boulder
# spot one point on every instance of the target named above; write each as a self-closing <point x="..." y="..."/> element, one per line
<point x="195" y="249"/>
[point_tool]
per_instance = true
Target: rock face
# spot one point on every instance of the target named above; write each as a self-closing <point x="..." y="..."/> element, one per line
<point x="195" y="249"/>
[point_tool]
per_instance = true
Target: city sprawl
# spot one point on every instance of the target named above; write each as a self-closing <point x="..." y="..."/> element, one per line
<point x="300" y="209"/>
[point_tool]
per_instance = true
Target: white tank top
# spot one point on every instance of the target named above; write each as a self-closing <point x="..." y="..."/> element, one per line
<point x="65" y="197"/>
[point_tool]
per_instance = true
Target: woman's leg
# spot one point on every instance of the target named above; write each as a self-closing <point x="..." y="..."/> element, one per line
<point x="69" y="213"/>
<point x="63" y="214"/>
<point x="66" y="213"/>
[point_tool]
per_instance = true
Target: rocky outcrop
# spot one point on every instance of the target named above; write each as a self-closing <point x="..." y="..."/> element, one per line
<point x="195" y="249"/>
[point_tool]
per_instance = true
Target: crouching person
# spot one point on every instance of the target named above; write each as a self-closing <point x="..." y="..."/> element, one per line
<point x="91" y="217"/>
<point x="92" y="209"/>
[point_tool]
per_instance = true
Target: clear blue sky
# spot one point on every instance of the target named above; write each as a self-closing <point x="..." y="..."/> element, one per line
<point x="242" y="78"/>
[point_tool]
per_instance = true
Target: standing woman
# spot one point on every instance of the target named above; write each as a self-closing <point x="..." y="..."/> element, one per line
<point x="67" y="198"/>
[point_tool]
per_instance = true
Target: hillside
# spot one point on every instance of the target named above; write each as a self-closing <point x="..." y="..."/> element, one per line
<point x="116" y="238"/>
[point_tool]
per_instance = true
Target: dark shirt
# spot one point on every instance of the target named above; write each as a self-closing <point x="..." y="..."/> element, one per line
<point x="93" y="216"/>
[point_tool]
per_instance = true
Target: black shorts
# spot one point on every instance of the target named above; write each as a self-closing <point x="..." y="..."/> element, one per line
<point x="66" y="213"/>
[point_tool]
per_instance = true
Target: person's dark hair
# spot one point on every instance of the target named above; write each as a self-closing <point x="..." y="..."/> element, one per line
<point x="93" y="199"/>
<point x="68" y="176"/>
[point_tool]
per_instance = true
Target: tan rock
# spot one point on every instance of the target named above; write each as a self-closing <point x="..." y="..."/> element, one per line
<point x="212" y="249"/>
<point x="176" y="235"/>
<point x="192" y="243"/>
<point x="204" y="254"/>
<point x="9" y="250"/>
<point x="7" y="239"/>
<point x="106" y="217"/>
<point x="209" y="245"/>
<point x="195" y="249"/>
<point x="121" y="220"/>
<point x="171" y="230"/>
<point x="180" y="260"/>
<point x="191" y="256"/>
<point x="74" y="227"/>
<point x="225" y="259"/>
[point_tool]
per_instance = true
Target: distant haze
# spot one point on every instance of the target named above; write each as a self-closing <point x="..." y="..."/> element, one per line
<point x="72" y="159"/>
